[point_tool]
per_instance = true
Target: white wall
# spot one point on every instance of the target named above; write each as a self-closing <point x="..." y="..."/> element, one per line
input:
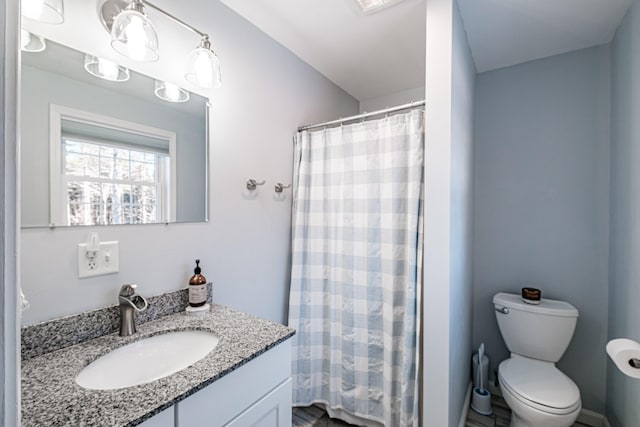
<point x="542" y="200"/>
<point x="392" y="100"/>
<point x="623" y="393"/>
<point x="267" y="92"/>
<point x="448" y="196"/>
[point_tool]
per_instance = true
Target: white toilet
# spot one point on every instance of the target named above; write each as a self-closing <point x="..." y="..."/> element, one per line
<point x="537" y="336"/>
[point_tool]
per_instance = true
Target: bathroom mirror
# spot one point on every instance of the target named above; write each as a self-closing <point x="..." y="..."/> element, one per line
<point x="102" y="152"/>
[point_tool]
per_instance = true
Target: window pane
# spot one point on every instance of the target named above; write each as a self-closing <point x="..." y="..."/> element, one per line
<point x="122" y="154"/>
<point x="122" y="169"/>
<point x="74" y="164"/>
<point x="73" y="146"/>
<point x="107" y="151"/>
<point x="150" y="172"/>
<point x="142" y="172"/>
<point x="92" y="149"/>
<point x="107" y="167"/>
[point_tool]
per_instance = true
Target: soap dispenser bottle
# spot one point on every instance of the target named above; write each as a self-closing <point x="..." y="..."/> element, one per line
<point x="197" y="288"/>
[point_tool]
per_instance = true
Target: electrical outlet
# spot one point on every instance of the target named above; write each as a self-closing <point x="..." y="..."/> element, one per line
<point x="106" y="260"/>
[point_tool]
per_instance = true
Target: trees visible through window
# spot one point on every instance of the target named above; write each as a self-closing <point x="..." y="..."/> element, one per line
<point x="113" y="184"/>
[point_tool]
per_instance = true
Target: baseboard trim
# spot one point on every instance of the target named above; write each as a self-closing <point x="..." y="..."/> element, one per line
<point x="465" y="408"/>
<point x="593" y="419"/>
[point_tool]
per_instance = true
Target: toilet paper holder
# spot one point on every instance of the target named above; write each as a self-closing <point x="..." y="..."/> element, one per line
<point x="634" y="363"/>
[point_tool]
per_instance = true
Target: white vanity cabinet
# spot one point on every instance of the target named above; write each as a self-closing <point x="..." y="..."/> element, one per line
<point x="257" y="394"/>
<point x="165" y="418"/>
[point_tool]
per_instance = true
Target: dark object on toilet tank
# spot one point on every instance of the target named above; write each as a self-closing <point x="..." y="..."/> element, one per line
<point x="531" y="295"/>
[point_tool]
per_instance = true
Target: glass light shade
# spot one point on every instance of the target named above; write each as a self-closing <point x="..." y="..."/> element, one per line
<point x="134" y="36"/>
<point x="203" y="68"/>
<point x="105" y="69"/>
<point x="48" y="11"/>
<point x="31" y="43"/>
<point x="171" y="92"/>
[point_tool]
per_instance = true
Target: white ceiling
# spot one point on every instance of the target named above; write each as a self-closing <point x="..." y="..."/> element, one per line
<point x="366" y="55"/>
<point x="384" y="53"/>
<point x="508" y="32"/>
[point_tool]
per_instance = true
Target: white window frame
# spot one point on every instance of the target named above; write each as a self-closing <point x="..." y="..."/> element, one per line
<point x="58" y="113"/>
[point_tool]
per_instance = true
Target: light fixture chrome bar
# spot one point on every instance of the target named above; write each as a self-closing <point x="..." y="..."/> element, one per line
<point x="173" y="18"/>
<point x="363" y="116"/>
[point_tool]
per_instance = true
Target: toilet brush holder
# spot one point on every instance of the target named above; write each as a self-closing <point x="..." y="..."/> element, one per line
<point x="481" y="401"/>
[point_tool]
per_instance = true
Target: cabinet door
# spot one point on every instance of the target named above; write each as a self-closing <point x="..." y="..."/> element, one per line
<point x="273" y="410"/>
<point x="165" y="418"/>
<point x="226" y="398"/>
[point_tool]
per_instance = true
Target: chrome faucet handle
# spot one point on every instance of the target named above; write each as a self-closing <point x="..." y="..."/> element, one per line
<point x="128" y="295"/>
<point x="128" y="290"/>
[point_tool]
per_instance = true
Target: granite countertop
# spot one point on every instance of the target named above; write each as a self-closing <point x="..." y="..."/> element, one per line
<point x="51" y="397"/>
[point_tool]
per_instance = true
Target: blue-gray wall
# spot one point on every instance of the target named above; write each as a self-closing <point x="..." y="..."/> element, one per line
<point x="623" y="393"/>
<point x="542" y="200"/>
<point x="460" y="291"/>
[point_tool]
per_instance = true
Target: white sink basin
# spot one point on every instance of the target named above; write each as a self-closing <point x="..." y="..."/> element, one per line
<point x="147" y="360"/>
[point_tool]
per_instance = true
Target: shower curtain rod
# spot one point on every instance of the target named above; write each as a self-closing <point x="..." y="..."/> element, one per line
<point x="365" y="115"/>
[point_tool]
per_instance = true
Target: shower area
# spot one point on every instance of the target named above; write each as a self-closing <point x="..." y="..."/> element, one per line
<point x="357" y="242"/>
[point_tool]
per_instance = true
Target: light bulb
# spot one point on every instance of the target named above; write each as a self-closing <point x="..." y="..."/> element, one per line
<point x="108" y="69"/>
<point x="136" y="38"/>
<point x="32" y="8"/>
<point x="172" y="91"/>
<point x="203" y="68"/>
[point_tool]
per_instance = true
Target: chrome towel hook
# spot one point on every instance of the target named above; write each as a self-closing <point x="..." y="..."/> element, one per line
<point x="280" y="186"/>
<point x="252" y="183"/>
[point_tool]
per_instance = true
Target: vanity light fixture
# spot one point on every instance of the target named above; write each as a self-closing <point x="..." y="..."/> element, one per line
<point x="133" y="35"/>
<point x="371" y="6"/>
<point x="31" y="43"/>
<point x="47" y="11"/>
<point x="170" y="92"/>
<point x="105" y="69"/>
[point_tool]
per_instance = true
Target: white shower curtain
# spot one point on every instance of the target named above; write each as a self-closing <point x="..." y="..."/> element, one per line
<point x="356" y="261"/>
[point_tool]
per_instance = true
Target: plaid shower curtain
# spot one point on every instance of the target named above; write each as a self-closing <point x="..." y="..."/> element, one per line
<point x="356" y="268"/>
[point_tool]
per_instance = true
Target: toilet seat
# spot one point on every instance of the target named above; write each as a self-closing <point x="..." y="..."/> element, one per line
<point x="540" y="385"/>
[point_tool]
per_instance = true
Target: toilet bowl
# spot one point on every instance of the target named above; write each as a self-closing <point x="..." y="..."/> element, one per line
<point x="538" y="394"/>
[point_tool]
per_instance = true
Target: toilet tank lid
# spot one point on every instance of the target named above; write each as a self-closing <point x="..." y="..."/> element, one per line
<point x="547" y="306"/>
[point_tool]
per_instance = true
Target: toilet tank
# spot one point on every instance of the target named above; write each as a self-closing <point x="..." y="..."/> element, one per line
<point x="540" y="331"/>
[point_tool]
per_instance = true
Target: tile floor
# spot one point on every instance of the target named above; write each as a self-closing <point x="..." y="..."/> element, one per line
<point x="315" y="417"/>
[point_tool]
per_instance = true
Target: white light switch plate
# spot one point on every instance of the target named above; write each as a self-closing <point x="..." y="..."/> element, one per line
<point x="105" y="261"/>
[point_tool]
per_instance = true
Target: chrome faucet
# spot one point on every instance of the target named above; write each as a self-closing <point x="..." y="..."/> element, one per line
<point x="129" y="301"/>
